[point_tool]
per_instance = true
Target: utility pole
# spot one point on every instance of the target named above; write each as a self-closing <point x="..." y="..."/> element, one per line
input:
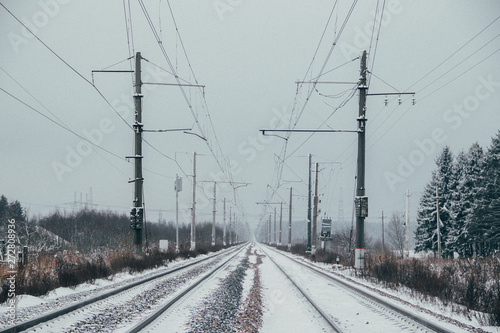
<point x="234" y="228"/>
<point x="290" y="222"/>
<point x="230" y="215"/>
<point x="309" y="208"/>
<point x="315" y="214"/>
<point x="224" y="228"/>
<point x="407" y="224"/>
<point x="274" y="233"/>
<point x="438" y="220"/>
<point x="137" y="212"/>
<point x="214" y="211"/>
<point x="281" y="218"/>
<point x="193" y="209"/>
<point x="361" y="201"/>
<point x="270" y="231"/>
<point x="383" y="232"/>
<point x="178" y="188"/>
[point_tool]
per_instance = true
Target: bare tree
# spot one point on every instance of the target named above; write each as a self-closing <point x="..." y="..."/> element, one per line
<point x="396" y="232"/>
<point x="341" y="240"/>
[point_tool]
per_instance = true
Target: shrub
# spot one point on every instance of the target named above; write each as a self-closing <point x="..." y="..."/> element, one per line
<point x="45" y="272"/>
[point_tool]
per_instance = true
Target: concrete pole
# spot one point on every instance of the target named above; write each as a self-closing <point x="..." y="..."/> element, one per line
<point x="290" y="222"/>
<point x="270" y="230"/>
<point x="138" y="181"/>
<point x="281" y="219"/>
<point x="193" y="209"/>
<point x="361" y="200"/>
<point x="438" y="224"/>
<point x="309" y="207"/>
<point x="176" y="215"/>
<point x="224" y="227"/>
<point x="315" y="214"/>
<point x="214" y="211"/>
<point x="274" y="233"/>
<point x="383" y="233"/>
<point x="407" y="224"/>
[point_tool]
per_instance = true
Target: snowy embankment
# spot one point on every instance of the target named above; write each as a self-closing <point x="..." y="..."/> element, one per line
<point x="432" y="307"/>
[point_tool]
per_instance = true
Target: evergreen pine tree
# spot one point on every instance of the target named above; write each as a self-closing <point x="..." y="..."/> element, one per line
<point x="465" y="192"/>
<point x="458" y="206"/>
<point x="442" y="180"/>
<point x="487" y="209"/>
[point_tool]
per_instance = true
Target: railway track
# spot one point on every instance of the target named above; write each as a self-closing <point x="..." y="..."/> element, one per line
<point x="157" y="321"/>
<point x="84" y="312"/>
<point x="348" y="317"/>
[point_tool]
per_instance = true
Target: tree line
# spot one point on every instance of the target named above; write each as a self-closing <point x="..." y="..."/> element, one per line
<point x="464" y="191"/>
<point x="89" y="230"/>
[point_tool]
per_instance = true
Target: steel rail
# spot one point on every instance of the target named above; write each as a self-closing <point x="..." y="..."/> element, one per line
<point x="65" y="310"/>
<point x="422" y="321"/>
<point x="323" y="314"/>
<point x="151" y="318"/>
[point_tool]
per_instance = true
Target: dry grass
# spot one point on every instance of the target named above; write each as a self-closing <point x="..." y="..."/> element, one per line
<point x="473" y="283"/>
<point x="46" y="272"/>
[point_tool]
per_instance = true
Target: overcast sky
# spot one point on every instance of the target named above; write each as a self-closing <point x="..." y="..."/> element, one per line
<point x="248" y="55"/>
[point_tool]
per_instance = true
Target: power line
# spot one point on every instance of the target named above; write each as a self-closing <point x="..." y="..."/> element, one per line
<point x="203" y="98"/>
<point x="59" y="124"/>
<point x="38" y="101"/>
<point x="320" y="40"/>
<point x="427" y="74"/>
<point x="449" y="57"/>
<point x="190" y="106"/>
<point x="331" y="114"/>
<point x="279" y="168"/>
<point x="378" y="35"/>
<point x="326" y="60"/>
<point x="65" y="127"/>
<point x="67" y="64"/>
<point x="436" y="90"/>
<point x="458" y="65"/>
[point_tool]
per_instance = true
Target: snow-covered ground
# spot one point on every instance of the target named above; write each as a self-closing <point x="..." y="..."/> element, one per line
<point x="427" y="307"/>
<point x="251" y="294"/>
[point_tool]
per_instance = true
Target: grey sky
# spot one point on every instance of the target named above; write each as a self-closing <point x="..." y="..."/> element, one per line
<point x="248" y="54"/>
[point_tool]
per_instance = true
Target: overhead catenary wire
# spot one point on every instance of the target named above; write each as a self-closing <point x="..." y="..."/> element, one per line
<point x="436" y="90"/>
<point x="419" y="80"/>
<point x="68" y="65"/>
<point x="31" y="95"/>
<point x="196" y="81"/>
<point x="59" y="124"/>
<point x="65" y="127"/>
<point x="461" y="62"/>
<point x="435" y="80"/>
<point x="311" y="90"/>
<point x="376" y="42"/>
<point x="130" y="40"/>
<point x="76" y="71"/>
<point x="451" y="55"/>
<point x="325" y="62"/>
<point x="190" y="106"/>
<point x="348" y="98"/>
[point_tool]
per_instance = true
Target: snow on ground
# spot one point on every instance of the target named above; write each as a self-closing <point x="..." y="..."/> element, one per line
<point x="64" y="295"/>
<point x="181" y="317"/>
<point x="433" y="308"/>
<point x="285" y="309"/>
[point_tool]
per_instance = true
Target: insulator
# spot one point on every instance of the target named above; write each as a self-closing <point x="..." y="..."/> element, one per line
<point x="386" y="101"/>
